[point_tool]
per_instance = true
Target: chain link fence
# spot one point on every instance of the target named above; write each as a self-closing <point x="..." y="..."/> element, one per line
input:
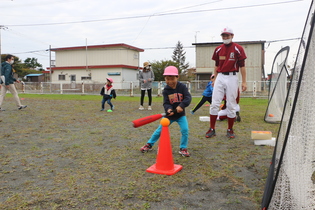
<point x="130" y="88"/>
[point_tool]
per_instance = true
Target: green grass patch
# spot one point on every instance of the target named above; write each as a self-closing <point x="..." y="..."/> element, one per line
<point x="61" y="152"/>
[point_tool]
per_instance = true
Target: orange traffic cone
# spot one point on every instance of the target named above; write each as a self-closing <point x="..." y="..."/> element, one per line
<point x="164" y="161"/>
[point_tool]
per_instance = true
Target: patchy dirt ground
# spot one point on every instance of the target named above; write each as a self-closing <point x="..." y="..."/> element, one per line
<point x="66" y="154"/>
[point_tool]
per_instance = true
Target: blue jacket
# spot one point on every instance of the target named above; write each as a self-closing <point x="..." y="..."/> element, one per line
<point x="179" y="96"/>
<point x="208" y="91"/>
<point x="6" y="71"/>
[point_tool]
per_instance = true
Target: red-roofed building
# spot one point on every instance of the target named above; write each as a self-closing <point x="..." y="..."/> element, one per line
<point x="96" y="62"/>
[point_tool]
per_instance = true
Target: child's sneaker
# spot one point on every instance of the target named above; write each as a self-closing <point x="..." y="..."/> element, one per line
<point x="1" y="109"/>
<point x="184" y="152"/>
<point x="146" y="148"/>
<point x="210" y="133"/>
<point x="113" y="107"/>
<point x="22" y="107"/>
<point x="141" y="108"/>
<point x="109" y="110"/>
<point x="149" y="108"/>
<point x="230" y="133"/>
<point x="192" y="112"/>
<point x="102" y="110"/>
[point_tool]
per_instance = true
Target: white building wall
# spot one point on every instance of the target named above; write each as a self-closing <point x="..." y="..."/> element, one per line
<point x="96" y="63"/>
<point x="204" y="62"/>
<point x="100" y="56"/>
<point x="130" y="75"/>
<point x="254" y="62"/>
<point x="78" y="74"/>
<point x="99" y="76"/>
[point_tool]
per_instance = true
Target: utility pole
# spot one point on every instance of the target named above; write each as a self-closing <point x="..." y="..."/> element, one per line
<point x="50" y="76"/>
<point x="1" y="27"/>
<point x="86" y="56"/>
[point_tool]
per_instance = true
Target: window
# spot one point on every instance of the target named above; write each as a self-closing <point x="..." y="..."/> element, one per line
<point x="86" y="78"/>
<point x="62" y="77"/>
<point x="113" y="73"/>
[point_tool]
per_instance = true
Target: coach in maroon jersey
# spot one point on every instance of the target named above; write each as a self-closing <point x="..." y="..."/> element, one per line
<point x="229" y="59"/>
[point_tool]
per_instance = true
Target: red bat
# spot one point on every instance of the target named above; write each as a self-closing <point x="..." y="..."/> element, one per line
<point x="148" y="119"/>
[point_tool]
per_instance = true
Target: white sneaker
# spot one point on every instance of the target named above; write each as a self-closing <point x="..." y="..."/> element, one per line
<point x="141" y="108"/>
<point x="149" y="108"/>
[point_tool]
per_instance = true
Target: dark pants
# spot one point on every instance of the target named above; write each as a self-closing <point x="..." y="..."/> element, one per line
<point x="201" y="102"/>
<point x="108" y="101"/>
<point x="149" y="95"/>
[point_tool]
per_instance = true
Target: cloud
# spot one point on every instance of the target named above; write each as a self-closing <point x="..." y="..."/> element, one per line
<point x="146" y="24"/>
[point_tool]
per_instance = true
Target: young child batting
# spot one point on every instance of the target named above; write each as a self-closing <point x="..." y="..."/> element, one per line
<point x="108" y="92"/>
<point x="176" y="98"/>
<point x="206" y="95"/>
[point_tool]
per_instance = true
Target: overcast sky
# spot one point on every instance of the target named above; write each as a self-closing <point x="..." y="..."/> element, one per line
<point x="155" y="26"/>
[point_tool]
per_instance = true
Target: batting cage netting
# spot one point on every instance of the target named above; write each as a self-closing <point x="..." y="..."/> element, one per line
<point x="291" y="179"/>
<point x="277" y="86"/>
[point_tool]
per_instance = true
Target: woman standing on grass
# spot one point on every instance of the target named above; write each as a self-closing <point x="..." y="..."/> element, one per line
<point x="146" y="77"/>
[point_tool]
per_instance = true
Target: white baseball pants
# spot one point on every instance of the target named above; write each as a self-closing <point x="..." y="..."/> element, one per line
<point x="225" y="85"/>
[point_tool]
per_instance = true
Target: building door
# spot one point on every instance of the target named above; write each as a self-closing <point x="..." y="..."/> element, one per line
<point x="72" y="80"/>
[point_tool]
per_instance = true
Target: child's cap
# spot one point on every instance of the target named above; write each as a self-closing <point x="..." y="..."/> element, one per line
<point x="110" y="79"/>
<point x="170" y="71"/>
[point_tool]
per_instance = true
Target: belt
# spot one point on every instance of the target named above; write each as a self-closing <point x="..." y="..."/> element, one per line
<point x="228" y="73"/>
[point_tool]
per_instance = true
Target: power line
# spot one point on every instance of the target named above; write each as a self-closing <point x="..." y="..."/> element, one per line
<point x="283" y="40"/>
<point x="164" y="48"/>
<point x="198" y="5"/>
<point x="156" y="15"/>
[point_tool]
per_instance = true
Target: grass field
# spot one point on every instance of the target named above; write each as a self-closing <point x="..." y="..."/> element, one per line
<point x="63" y="153"/>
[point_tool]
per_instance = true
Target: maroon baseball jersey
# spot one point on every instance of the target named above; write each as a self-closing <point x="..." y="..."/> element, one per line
<point x="229" y="57"/>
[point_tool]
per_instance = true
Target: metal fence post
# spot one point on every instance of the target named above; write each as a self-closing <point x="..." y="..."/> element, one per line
<point x="23" y="87"/>
<point x="189" y="86"/>
<point x="159" y="88"/>
<point x="131" y="89"/>
<point x="82" y="87"/>
<point x="254" y="89"/>
<point x="41" y="88"/>
<point x="61" y="92"/>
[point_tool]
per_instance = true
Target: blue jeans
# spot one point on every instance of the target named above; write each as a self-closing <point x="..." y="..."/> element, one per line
<point x="108" y="101"/>
<point x="183" y="124"/>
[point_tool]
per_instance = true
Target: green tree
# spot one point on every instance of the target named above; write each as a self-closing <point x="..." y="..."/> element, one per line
<point x="179" y="56"/>
<point x="21" y="69"/>
<point x="159" y="66"/>
<point x="32" y="63"/>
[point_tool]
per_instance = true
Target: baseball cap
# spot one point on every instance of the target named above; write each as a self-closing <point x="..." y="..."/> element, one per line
<point x="227" y="30"/>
